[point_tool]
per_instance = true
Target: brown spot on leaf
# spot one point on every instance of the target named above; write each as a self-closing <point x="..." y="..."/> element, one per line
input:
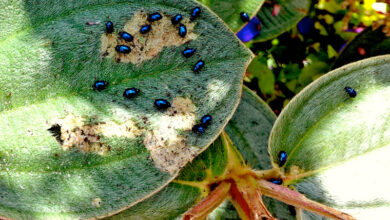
<point x="168" y="150"/>
<point x="73" y="131"/>
<point x="146" y="46"/>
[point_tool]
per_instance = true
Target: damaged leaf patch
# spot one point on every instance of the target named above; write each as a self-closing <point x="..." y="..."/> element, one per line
<point x="146" y="46"/>
<point x="169" y="150"/>
<point x="72" y="131"/>
<point x="65" y="142"/>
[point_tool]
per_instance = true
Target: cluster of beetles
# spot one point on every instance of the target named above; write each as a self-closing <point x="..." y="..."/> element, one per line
<point x="162" y="104"/>
<point x="130" y="93"/>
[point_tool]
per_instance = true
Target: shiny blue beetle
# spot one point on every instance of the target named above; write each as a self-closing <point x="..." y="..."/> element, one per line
<point x="131" y="93"/>
<point x="200" y="129"/>
<point x="282" y="158"/>
<point x="161" y="104"/>
<point x="145" y="28"/>
<point x="109" y="27"/>
<point x="176" y="19"/>
<point x="195" y="13"/>
<point x="182" y="30"/>
<point x="244" y="17"/>
<point x="188" y="52"/>
<point x="123" y="49"/>
<point x="198" y="66"/>
<point x="206" y="120"/>
<point x="351" y="92"/>
<point x="100" y="85"/>
<point x="126" y="36"/>
<point x="154" y="17"/>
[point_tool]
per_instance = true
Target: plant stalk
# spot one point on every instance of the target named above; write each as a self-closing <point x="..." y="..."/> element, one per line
<point x="298" y="200"/>
<point x="208" y="204"/>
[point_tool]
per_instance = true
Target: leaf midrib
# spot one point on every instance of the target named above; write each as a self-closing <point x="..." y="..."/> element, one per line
<point x="311" y="129"/>
<point x="310" y="173"/>
<point x="267" y="33"/>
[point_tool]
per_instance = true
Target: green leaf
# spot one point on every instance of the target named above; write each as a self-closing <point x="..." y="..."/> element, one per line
<point x="229" y="10"/>
<point x="178" y="197"/>
<point x="338" y="146"/>
<point x="332" y="6"/>
<point x="290" y="72"/>
<point x="69" y="151"/>
<point x="373" y="42"/>
<point x="249" y="129"/>
<point x="266" y="79"/>
<point x="291" y="12"/>
<point x="311" y="70"/>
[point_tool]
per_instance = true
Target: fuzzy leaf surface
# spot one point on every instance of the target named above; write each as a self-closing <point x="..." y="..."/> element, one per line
<point x="177" y="197"/>
<point x="291" y="12"/>
<point x="337" y="146"/>
<point x="118" y="151"/>
<point x="229" y="10"/>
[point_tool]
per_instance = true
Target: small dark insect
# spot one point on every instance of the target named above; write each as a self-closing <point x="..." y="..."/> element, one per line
<point x="188" y="52"/>
<point x="276" y="181"/>
<point x="123" y="49"/>
<point x="55" y="130"/>
<point x="100" y="85"/>
<point x="244" y="17"/>
<point x="131" y="93"/>
<point x="161" y="104"/>
<point x="195" y="13"/>
<point x="145" y="28"/>
<point x="198" y="66"/>
<point x="206" y="120"/>
<point x="282" y="158"/>
<point x="126" y="36"/>
<point x="182" y="30"/>
<point x="200" y="129"/>
<point x="154" y="17"/>
<point x="351" y="92"/>
<point x="176" y="19"/>
<point x="109" y="27"/>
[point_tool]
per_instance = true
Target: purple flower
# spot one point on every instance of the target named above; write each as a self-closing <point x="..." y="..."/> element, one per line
<point x="251" y="30"/>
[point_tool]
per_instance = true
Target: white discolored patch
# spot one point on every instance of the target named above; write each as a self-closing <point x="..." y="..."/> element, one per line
<point x="96" y="202"/>
<point x="149" y="45"/>
<point x="86" y="137"/>
<point x="363" y="179"/>
<point x="168" y="150"/>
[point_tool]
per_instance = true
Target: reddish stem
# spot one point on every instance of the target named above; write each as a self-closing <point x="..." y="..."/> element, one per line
<point x="247" y="200"/>
<point x="298" y="200"/>
<point x="207" y="205"/>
